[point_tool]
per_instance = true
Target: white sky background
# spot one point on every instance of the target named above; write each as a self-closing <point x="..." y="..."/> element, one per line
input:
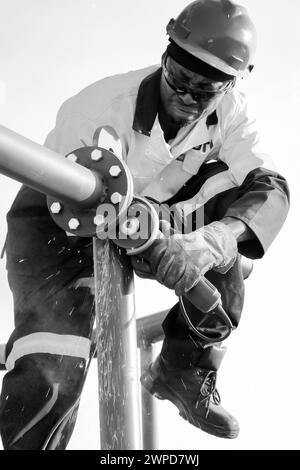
<point x="49" y="50"/>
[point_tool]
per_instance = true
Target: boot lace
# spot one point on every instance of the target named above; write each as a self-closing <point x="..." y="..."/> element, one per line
<point x="208" y="389"/>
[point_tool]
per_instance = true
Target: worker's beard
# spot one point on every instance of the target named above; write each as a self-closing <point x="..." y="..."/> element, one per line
<point x="181" y="121"/>
<point x="182" y="115"/>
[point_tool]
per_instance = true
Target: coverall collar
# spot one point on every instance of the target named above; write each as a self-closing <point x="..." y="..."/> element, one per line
<point x="147" y="105"/>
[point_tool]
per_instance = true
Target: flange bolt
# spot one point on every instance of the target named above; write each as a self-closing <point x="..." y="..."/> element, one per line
<point x="114" y="171"/>
<point x="56" y="207"/>
<point x="73" y="224"/>
<point x="96" y="155"/>
<point x="116" y="198"/>
<point x="72" y="157"/>
<point x="99" y="219"/>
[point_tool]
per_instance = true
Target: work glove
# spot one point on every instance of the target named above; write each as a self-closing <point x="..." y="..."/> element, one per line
<point x="179" y="261"/>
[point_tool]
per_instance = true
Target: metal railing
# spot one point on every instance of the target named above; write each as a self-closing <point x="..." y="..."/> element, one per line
<point x="117" y="332"/>
<point x="149" y="332"/>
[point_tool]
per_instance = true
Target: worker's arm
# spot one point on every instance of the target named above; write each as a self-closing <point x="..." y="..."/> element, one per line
<point x="258" y="212"/>
<point x="240" y="230"/>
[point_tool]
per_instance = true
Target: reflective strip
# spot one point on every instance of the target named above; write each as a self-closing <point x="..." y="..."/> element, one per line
<point x="40" y="415"/>
<point x="2" y="353"/>
<point x="215" y="185"/>
<point x="49" y="343"/>
<point x="85" y="282"/>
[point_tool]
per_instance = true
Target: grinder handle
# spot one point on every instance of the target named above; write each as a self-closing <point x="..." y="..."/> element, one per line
<point x="204" y="295"/>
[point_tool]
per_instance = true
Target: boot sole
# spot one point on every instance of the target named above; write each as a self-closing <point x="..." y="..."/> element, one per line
<point x="162" y="391"/>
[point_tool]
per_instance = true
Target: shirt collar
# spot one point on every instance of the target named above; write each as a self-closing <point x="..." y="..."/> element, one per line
<point x="147" y="102"/>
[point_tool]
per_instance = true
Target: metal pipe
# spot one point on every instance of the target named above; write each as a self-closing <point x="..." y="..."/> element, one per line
<point x="117" y="349"/>
<point x="149" y="331"/>
<point x="47" y="171"/>
<point x="149" y="328"/>
<point x="149" y="412"/>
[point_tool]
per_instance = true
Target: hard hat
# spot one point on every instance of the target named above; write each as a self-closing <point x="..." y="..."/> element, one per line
<point x="218" y="32"/>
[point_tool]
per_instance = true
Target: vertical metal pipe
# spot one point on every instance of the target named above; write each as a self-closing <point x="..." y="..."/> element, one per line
<point x="117" y="349"/>
<point x="149" y="417"/>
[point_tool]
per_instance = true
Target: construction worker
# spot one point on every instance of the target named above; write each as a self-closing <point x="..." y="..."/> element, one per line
<point x="190" y="143"/>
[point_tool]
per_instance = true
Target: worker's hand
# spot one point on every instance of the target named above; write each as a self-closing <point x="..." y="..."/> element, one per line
<point x="179" y="261"/>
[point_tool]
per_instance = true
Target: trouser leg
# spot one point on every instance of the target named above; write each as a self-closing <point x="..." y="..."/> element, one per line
<point x="46" y="358"/>
<point x="186" y="370"/>
<point x="182" y="347"/>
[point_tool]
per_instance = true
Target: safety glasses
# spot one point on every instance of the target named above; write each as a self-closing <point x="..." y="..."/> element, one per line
<point x="207" y="91"/>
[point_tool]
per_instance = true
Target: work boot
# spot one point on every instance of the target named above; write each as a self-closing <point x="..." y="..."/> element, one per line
<point x="193" y="391"/>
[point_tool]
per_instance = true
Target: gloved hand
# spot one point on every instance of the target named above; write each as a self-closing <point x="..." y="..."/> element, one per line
<point x="140" y="265"/>
<point x="179" y="261"/>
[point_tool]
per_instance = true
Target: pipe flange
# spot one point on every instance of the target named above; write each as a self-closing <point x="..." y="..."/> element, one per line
<point x="113" y="203"/>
